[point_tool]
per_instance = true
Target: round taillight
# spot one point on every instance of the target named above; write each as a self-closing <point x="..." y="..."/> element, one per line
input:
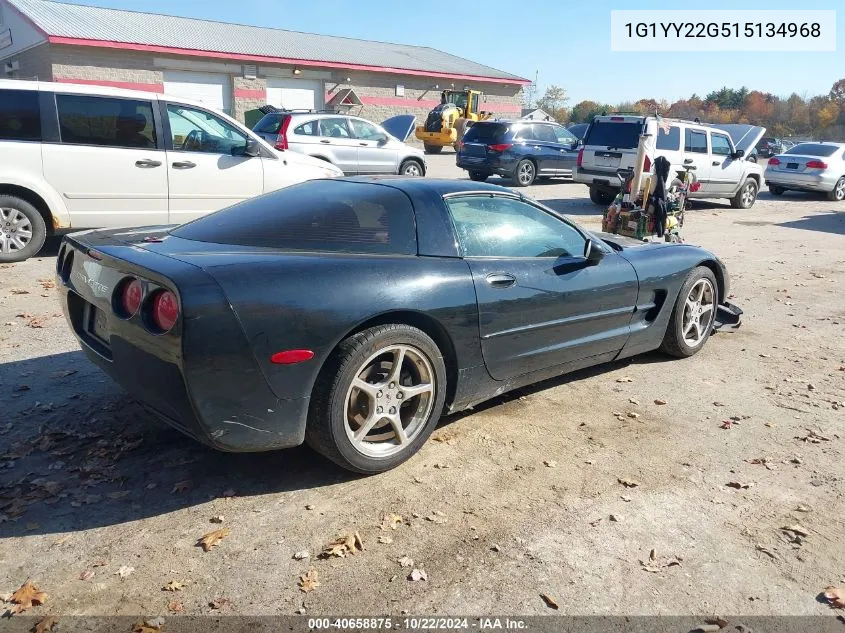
<point x="130" y="297"/>
<point x="164" y="310"/>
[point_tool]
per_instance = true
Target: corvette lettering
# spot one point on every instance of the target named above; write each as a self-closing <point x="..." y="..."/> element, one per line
<point x="95" y="285"/>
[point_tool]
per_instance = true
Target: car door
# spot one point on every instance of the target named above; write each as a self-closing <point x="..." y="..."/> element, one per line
<point x="376" y="154"/>
<point x="697" y="154"/>
<point x="539" y="303"/>
<point x="725" y="171"/>
<point x="109" y="163"/>
<point x="540" y="145"/>
<point x="567" y="150"/>
<point x="205" y="163"/>
<point x="335" y="134"/>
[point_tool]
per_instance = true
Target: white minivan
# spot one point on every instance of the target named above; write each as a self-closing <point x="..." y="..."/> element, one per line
<point x="74" y="157"/>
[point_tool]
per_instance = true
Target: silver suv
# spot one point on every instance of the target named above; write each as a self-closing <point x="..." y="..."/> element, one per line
<point x="720" y="154"/>
<point x="353" y="144"/>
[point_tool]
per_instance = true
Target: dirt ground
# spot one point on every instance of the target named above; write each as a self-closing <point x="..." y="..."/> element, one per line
<point x="102" y="506"/>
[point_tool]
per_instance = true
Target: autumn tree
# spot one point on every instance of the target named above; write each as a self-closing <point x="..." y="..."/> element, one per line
<point x="554" y="101"/>
<point x="584" y="111"/>
<point x="837" y="93"/>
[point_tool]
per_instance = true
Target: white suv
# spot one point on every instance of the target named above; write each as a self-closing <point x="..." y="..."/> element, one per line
<point x="721" y="155"/>
<point x="75" y="156"/>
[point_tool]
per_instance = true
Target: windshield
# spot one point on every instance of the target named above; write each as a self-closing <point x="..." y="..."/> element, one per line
<point x="614" y="134"/>
<point x="813" y="149"/>
<point x="458" y="98"/>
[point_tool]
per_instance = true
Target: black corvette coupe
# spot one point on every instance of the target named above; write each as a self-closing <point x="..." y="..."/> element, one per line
<point x="350" y="313"/>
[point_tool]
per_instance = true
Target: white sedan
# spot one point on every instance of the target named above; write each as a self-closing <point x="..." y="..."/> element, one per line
<point x="809" y="167"/>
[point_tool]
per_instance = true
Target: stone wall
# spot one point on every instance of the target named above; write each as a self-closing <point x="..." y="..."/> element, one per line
<point x="34" y="63"/>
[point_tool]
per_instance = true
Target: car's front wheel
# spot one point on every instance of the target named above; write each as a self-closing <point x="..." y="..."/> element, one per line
<point x="525" y="173"/>
<point x="746" y="196"/>
<point x="693" y="315"/>
<point x="478" y="176"/>
<point x="776" y="191"/>
<point x="411" y="167"/>
<point x="22" y="229"/>
<point x="377" y="399"/>
<point x="838" y="193"/>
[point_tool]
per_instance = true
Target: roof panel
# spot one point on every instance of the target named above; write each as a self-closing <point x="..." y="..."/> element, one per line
<point x="112" y="25"/>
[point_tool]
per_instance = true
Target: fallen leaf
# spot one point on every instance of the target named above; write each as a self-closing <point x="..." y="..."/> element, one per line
<point x="628" y="483"/>
<point x="182" y="486"/>
<point x="726" y="424"/>
<point x="309" y="581"/>
<point x="658" y="401"/>
<point x="144" y="627"/>
<point x="437" y="517"/>
<point x="550" y="463"/>
<point x="391" y="521"/>
<point x="739" y="485"/>
<point x="766" y="551"/>
<point x="61" y="541"/>
<point x="625" y="498"/>
<point x="385" y="540"/>
<point x="302" y="555"/>
<point x="173" y="585"/>
<point x="550" y="602"/>
<point x="175" y="606"/>
<point x="625" y="379"/>
<point x="64" y="373"/>
<point x="656" y="564"/>
<point x="796" y="529"/>
<point x="343" y="545"/>
<point x="812" y="437"/>
<point x="633" y="415"/>
<point x="219" y="603"/>
<point x="19" y="291"/>
<point x="100" y="562"/>
<point x="218" y="519"/>
<point x="45" y="624"/>
<point x="634" y="401"/>
<point x="835" y="597"/>
<point x="212" y="538"/>
<point x="124" y="571"/>
<point x="86" y="574"/>
<point x="25" y="598"/>
<point x="417" y="575"/>
<point x="406" y="561"/>
<point x="47" y="284"/>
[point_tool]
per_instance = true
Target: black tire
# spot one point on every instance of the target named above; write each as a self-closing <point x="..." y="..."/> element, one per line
<point x="776" y="191"/>
<point x="326" y="428"/>
<point x="673" y="341"/>
<point x="601" y="196"/>
<point x="525" y="173"/>
<point x="838" y="193"/>
<point x="746" y="196"/>
<point x="432" y="149"/>
<point x="411" y="165"/>
<point x="12" y="207"/>
<point x="478" y="176"/>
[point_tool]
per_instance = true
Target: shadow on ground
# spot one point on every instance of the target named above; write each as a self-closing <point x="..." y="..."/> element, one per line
<point x="832" y="222"/>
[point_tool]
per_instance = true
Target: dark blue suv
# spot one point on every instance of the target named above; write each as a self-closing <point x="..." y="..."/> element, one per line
<point x="521" y="150"/>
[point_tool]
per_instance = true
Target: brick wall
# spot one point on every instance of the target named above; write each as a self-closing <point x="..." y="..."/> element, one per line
<point x="34" y="63"/>
<point x="247" y="94"/>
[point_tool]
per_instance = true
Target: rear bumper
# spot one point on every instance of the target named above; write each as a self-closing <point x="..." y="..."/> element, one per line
<point x="808" y="182"/>
<point x="596" y="176"/>
<point x="486" y="165"/>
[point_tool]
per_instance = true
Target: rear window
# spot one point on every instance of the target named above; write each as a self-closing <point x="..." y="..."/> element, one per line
<point x="269" y="124"/>
<point x="485" y="132"/>
<point x="106" y="121"/>
<point x="614" y="134"/>
<point x="20" y="118"/>
<point x="813" y="149"/>
<point x="318" y="215"/>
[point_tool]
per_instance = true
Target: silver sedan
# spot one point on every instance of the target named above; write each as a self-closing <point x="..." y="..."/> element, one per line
<point x="809" y="167"/>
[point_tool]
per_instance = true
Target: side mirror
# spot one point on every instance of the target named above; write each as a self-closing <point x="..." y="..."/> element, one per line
<point x="382" y="140"/>
<point x="252" y="148"/>
<point x="739" y="153"/>
<point x="593" y="253"/>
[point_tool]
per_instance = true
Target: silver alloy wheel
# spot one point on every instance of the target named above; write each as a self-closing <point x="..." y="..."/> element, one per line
<point x="698" y="312"/>
<point x="15" y="230"/>
<point x="412" y="169"/>
<point x="526" y="173"/>
<point x="389" y="401"/>
<point x="839" y="189"/>
<point x="748" y="192"/>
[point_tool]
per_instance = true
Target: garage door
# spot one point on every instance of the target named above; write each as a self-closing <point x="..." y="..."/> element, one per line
<point x="210" y="89"/>
<point x="295" y="93"/>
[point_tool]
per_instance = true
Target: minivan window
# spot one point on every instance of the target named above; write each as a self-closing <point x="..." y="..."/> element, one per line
<point x="813" y="149"/>
<point x="544" y="133"/>
<point x="196" y="130"/>
<point x="695" y="142"/>
<point x="85" y="120"/>
<point x="317" y="215"/>
<point x="614" y="134"/>
<point x="20" y="117"/>
<point x="721" y="145"/>
<point x="671" y="140"/>
<point x="485" y="133"/>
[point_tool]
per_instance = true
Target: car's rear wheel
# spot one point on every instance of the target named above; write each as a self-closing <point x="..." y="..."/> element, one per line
<point x="693" y="315"/>
<point x="432" y="149"/>
<point x="746" y="196"/>
<point x="525" y="173"/>
<point x="378" y="398"/>
<point x="478" y="176"/>
<point x="776" y="191"/>
<point x="411" y="167"/>
<point x="601" y="196"/>
<point x="22" y="229"/>
<point x="838" y="193"/>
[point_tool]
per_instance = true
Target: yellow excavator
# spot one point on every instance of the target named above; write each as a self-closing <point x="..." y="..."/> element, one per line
<point x="446" y="123"/>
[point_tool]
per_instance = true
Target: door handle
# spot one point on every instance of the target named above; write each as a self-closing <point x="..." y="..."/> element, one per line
<point x="325" y="141"/>
<point x="185" y="164"/>
<point x="362" y="144"/>
<point x="146" y="163"/>
<point x="688" y="161"/>
<point x="716" y="163"/>
<point x="501" y="280"/>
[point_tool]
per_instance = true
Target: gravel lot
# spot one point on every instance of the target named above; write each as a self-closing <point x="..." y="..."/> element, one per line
<point x="521" y="497"/>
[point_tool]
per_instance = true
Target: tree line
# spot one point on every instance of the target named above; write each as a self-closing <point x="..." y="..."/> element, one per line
<point x="821" y="117"/>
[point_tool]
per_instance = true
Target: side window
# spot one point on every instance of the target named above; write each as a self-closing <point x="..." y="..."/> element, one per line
<point x="544" y="133"/>
<point x="495" y="226"/>
<point x="720" y="144"/>
<point x="196" y="130"/>
<point x="306" y="129"/>
<point x="695" y="142"/>
<point x="525" y="132"/>
<point x="334" y="128"/>
<point x="20" y="116"/>
<point x="85" y="120"/>
<point x="563" y="135"/>
<point x="670" y="140"/>
<point x="366" y="131"/>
